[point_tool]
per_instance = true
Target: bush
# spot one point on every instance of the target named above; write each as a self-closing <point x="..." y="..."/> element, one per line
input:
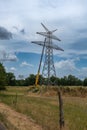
<point x="2" y="77"/>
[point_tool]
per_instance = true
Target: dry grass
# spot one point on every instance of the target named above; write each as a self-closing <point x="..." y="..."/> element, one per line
<point x="44" y="108"/>
<point x="4" y="121"/>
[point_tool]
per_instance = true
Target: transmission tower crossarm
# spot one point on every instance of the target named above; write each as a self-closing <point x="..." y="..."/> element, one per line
<point x="54" y="46"/>
<point x="45" y="27"/>
<point x="54" y="30"/>
<point x="37" y="77"/>
<point x="49" y="35"/>
<point x="39" y="42"/>
<point x="55" y="38"/>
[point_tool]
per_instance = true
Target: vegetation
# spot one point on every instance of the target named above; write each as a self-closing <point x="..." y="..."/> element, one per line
<point x="44" y="110"/>
<point x="9" y="79"/>
<point x="2" y="77"/>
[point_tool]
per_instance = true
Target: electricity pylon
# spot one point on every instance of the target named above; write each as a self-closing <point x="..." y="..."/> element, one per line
<point x="48" y="68"/>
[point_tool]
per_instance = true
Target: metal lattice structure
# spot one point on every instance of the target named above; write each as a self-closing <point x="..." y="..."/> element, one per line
<point x="48" y="68"/>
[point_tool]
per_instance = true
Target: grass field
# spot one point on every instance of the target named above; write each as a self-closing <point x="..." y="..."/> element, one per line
<point x="44" y="109"/>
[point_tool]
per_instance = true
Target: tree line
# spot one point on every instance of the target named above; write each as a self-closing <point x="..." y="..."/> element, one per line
<point x="9" y="79"/>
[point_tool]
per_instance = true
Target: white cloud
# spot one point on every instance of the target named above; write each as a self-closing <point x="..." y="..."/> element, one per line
<point x="12" y="57"/>
<point x="4" y="56"/>
<point x="66" y="67"/>
<point x="68" y="16"/>
<point x="13" y="69"/>
<point x="82" y="73"/>
<point x="26" y="64"/>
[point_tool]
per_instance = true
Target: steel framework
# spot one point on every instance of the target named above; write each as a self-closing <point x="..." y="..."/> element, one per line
<point x="48" y="68"/>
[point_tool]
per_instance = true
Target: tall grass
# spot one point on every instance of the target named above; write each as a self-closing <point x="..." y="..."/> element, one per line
<point x="45" y="112"/>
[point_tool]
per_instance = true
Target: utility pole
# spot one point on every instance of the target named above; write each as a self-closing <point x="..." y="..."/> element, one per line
<point x="61" y="113"/>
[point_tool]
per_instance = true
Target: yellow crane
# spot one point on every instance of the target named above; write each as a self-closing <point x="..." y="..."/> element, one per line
<point x="38" y="74"/>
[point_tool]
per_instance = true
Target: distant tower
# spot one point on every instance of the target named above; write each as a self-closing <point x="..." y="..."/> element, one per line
<point x="48" y="68"/>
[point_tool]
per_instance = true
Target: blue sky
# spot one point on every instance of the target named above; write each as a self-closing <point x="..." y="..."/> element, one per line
<point x="21" y="19"/>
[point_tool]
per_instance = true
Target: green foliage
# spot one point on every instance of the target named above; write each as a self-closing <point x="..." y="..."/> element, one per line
<point x="30" y="80"/>
<point x="2" y="77"/>
<point x="55" y="80"/>
<point x="20" y="82"/>
<point x="11" y="81"/>
<point x="69" y="80"/>
<point x="85" y="82"/>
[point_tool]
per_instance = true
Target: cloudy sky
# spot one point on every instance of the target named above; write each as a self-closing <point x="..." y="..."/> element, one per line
<point x="21" y="19"/>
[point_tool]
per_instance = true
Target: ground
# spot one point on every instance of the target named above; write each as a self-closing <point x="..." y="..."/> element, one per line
<point x="18" y="120"/>
<point x="23" y="109"/>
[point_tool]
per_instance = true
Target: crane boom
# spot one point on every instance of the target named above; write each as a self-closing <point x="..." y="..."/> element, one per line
<point x="37" y="77"/>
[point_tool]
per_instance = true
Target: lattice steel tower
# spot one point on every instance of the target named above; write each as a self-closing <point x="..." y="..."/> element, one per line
<point x="48" y="68"/>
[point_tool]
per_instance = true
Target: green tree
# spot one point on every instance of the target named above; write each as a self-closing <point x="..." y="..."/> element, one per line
<point x="30" y="80"/>
<point x="78" y="82"/>
<point x="2" y="77"/>
<point x="64" y="81"/>
<point x="55" y="80"/>
<point x="41" y="80"/>
<point x="10" y="79"/>
<point x="85" y="82"/>
<point x="71" y="80"/>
